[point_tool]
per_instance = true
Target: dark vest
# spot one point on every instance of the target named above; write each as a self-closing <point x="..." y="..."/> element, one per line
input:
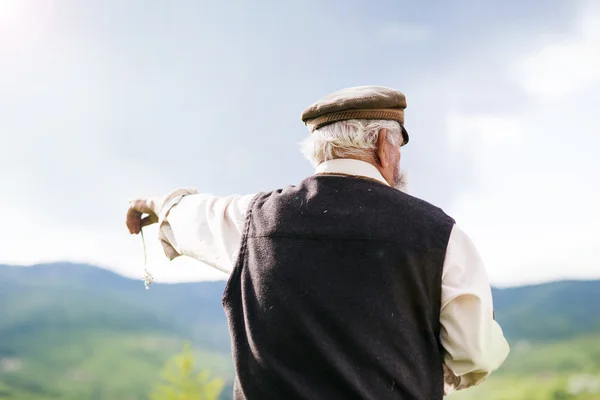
<point x="336" y="294"/>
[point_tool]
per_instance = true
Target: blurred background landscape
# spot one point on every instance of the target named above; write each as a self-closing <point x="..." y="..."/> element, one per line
<point x="73" y="331"/>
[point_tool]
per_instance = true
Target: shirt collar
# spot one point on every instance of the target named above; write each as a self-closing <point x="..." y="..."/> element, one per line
<point x="349" y="166"/>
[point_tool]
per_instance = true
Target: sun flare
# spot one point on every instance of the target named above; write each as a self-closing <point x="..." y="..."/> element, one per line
<point x="23" y="20"/>
<point x="11" y="10"/>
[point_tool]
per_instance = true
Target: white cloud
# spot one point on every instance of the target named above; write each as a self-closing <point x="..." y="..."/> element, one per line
<point x="564" y="66"/>
<point x="532" y="213"/>
<point x="476" y="134"/>
<point x="25" y="244"/>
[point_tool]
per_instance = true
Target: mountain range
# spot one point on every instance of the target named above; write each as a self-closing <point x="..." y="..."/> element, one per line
<point x="74" y="331"/>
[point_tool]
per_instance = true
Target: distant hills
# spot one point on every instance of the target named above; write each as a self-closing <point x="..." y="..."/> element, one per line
<point x="549" y="311"/>
<point x="79" y="296"/>
<point x="72" y="331"/>
<point x="66" y="293"/>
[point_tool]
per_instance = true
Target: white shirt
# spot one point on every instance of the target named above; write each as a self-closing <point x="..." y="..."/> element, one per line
<point x="209" y="229"/>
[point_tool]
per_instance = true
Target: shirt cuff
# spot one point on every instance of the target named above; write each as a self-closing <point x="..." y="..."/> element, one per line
<point x="165" y="234"/>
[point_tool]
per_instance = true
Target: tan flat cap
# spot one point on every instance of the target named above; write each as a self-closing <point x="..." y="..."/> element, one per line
<point x="360" y="102"/>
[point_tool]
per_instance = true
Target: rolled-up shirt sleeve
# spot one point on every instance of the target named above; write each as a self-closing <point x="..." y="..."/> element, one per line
<point x="473" y="341"/>
<point x="204" y="227"/>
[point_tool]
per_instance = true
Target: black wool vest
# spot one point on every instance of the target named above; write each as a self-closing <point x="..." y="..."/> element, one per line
<point x="336" y="294"/>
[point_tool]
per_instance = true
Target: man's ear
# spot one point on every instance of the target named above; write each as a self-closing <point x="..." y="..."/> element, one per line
<point x="381" y="151"/>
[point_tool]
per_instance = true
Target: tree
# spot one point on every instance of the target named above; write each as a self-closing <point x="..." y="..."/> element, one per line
<point x="560" y="394"/>
<point x="184" y="382"/>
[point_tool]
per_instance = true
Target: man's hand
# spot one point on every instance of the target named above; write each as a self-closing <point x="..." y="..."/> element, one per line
<point x="139" y="207"/>
<point x="152" y="206"/>
<point x="451" y="381"/>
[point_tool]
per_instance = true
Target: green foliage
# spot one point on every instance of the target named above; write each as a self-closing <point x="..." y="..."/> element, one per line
<point x="523" y="388"/>
<point x="551" y="311"/>
<point x="73" y="332"/>
<point x="96" y="364"/>
<point x="184" y="382"/>
<point x="542" y="371"/>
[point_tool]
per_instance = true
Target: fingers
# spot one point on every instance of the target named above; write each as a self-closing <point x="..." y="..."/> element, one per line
<point x="149" y="220"/>
<point x="141" y="205"/>
<point x="134" y="219"/>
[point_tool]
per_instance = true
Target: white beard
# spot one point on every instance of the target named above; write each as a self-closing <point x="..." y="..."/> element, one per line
<point x="402" y="184"/>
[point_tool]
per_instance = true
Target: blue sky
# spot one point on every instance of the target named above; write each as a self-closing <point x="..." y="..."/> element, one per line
<point x="104" y="101"/>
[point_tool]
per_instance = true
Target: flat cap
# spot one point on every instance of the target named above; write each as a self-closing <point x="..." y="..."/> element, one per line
<point x="360" y="102"/>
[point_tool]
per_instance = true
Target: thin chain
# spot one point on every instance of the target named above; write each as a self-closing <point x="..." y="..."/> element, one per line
<point x="148" y="279"/>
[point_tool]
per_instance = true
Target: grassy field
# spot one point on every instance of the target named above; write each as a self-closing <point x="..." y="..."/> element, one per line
<point x="106" y="365"/>
<point x="565" y="370"/>
<point x="524" y="388"/>
<point x="93" y="365"/>
<point x="77" y="332"/>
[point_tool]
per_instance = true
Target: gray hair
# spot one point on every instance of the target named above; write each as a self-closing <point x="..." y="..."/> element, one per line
<point x="355" y="138"/>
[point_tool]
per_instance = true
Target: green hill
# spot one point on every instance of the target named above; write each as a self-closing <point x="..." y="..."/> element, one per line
<point x="550" y="311"/>
<point x="79" y="332"/>
<point x="70" y="331"/>
<point x="569" y="369"/>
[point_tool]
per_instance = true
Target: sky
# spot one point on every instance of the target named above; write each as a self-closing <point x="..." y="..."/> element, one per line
<point x="105" y="101"/>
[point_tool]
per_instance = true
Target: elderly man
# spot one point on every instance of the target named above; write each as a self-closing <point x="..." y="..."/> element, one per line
<point x="342" y="286"/>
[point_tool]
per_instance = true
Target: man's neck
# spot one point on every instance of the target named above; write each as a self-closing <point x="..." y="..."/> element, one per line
<point x="350" y="166"/>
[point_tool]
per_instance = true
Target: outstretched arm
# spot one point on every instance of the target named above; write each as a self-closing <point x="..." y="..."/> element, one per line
<point x="205" y="227"/>
<point x="202" y="226"/>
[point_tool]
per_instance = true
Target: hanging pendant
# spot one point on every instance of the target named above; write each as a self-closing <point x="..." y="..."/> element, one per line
<point x="148" y="278"/>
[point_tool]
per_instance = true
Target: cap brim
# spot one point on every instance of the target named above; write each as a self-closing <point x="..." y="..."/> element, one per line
<point x="404" y="135"/>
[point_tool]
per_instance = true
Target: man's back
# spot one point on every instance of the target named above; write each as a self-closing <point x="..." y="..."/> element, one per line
<point x="343" y="286"/>
<point x="357" y="316"/>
